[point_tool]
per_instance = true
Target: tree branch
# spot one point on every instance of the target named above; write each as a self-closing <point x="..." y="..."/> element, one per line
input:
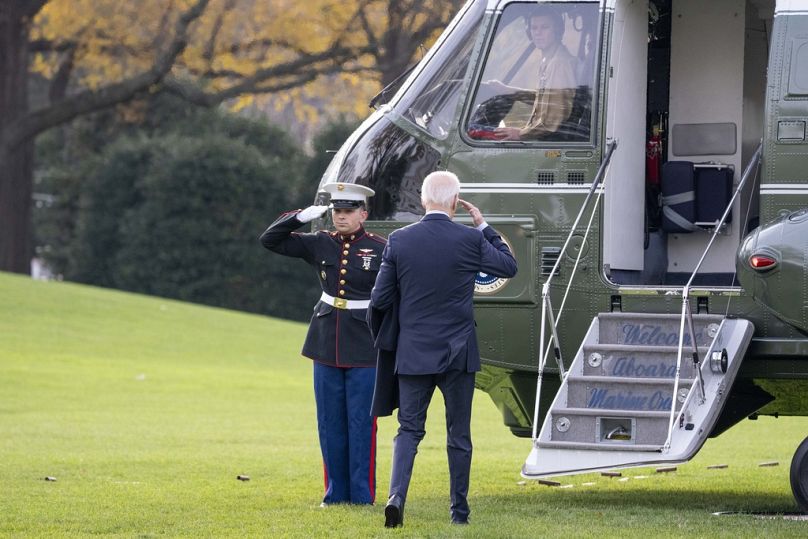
<point x="162" y="29"/>
<point x="373" y="41"/>
<point x="30" y="8"/>
<point x="58" y="85"/>
<point x="194" y="94"/>
<point x="113" y="50"/>
<point x="424" y="32"/>
<point x="91" y="100"/>
<point x="47" y="45"/>
<point x="289" y="75"/>
<point x="349" y="25"/>
<point x="210" y="47"/>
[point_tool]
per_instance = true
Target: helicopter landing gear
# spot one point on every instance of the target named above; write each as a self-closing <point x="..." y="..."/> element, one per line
<point x="799" y="476"/>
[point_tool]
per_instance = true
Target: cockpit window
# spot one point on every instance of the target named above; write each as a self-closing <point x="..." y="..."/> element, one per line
<point x="393" y="163"/>
<point x="431" y="106"/>
<point x="539" y="76"/>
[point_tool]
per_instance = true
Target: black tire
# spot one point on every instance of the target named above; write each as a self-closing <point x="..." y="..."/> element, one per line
<point x="799" y="476"/>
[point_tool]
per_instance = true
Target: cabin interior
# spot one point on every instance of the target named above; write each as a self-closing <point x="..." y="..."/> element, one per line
<point x="700" y="68"/>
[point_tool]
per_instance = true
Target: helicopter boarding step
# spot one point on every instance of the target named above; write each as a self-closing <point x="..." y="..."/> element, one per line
<point x="614" y="406"/>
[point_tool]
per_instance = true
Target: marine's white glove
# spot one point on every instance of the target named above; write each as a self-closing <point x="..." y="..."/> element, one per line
<point x="311" y="213"/>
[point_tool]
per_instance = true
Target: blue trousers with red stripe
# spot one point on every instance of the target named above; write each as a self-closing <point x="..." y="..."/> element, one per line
<point x="347" y="432"/>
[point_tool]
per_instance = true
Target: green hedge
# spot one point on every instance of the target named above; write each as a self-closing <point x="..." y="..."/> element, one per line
<point x="175" y="209"/>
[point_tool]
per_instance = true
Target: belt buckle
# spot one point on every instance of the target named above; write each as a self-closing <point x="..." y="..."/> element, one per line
<point x="340" y="303"/>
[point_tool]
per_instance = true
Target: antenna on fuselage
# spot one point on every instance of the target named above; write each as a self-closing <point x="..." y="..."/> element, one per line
<point x="386" y="89"/>
<point x="395" y="81"/>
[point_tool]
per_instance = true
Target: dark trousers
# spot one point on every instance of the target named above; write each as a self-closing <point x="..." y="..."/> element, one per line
<point x="415" y="393"/>
<point x="347" y="432"/>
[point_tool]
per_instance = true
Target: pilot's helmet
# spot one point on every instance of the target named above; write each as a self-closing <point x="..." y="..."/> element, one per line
<point x="348" y="195"/>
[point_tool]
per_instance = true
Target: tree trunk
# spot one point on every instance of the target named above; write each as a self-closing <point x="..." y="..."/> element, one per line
<point x="397" y="46"/>
<point x="16" y="160"/>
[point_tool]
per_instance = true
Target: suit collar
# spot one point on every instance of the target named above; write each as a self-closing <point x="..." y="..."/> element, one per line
<point x="437" y="216"/>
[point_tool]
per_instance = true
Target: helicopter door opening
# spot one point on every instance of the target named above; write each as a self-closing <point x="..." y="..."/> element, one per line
<point x="700" y="68"/>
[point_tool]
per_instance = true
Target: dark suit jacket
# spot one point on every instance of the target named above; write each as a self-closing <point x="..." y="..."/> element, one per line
<point x="429" y="268"/>
<point x="384" y="331"/>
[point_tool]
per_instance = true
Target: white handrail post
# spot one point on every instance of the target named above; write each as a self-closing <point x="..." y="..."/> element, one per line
<point x="554" y="341"/>
<point x="695" y="346"/>
<point x="685" y="298"/>
<point x="546" y="304"/>
<point x="545" y="299"/>
<point x="687" y="314"/>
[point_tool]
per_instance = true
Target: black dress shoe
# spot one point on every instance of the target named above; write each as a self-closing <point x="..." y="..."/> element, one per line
<point x="394" y="512"/>
<point x="460" y="521"/>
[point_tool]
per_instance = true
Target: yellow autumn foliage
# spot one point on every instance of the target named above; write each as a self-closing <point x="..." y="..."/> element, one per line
<point x="232" y="40"/>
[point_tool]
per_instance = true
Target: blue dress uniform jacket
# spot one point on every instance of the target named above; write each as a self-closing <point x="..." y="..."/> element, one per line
<point x="346" y="269"/>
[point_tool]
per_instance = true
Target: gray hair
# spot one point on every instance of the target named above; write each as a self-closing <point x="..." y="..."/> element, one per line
<point x="439" y="188"/>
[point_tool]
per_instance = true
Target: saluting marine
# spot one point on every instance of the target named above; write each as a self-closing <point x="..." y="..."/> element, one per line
<point x="347" y="261"/>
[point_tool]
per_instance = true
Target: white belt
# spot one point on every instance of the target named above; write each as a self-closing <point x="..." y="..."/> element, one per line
<point x="340" y="303"/>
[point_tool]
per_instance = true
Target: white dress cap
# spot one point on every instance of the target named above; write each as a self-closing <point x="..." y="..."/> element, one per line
<point x="347" y="195"/>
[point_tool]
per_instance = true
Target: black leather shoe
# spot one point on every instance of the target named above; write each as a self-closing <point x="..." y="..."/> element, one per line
<point x="394" y="512"/>
<point x="460" y="521"/>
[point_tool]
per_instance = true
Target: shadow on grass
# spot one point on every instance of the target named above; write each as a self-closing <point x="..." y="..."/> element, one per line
<point x="551" y="499"/>
<point x="554" y="512"/>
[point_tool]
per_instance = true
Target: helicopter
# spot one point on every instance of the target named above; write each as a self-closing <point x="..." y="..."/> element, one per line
<point x="646" y="162"/>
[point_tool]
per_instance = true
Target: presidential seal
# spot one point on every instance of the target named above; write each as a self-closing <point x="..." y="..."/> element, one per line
<point x="485" y="284"/>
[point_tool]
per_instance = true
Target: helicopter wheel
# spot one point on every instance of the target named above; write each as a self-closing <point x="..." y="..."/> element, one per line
<point x="799" y="476"/>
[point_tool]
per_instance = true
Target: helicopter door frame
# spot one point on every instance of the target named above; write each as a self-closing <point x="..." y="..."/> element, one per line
<point x="624" y="201"/>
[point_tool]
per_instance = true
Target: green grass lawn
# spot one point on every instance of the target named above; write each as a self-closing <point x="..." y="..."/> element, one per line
<point x="145" y="410"/>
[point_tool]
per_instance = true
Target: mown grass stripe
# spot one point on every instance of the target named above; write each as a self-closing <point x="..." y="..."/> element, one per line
<point x="146" y="410"/>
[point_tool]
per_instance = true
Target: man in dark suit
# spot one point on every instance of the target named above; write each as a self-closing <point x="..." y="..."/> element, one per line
<point x="428" y="270"/>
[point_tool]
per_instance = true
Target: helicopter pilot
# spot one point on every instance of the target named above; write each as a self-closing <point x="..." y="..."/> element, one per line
<point x="556" y="80"/>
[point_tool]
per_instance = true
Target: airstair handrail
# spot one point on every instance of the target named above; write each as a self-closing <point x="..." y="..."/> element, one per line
<point x="687" y="315"/>
<point x="546" y="304"/>
<point x="753" y="163"/>
<point x="610" y="147"/>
